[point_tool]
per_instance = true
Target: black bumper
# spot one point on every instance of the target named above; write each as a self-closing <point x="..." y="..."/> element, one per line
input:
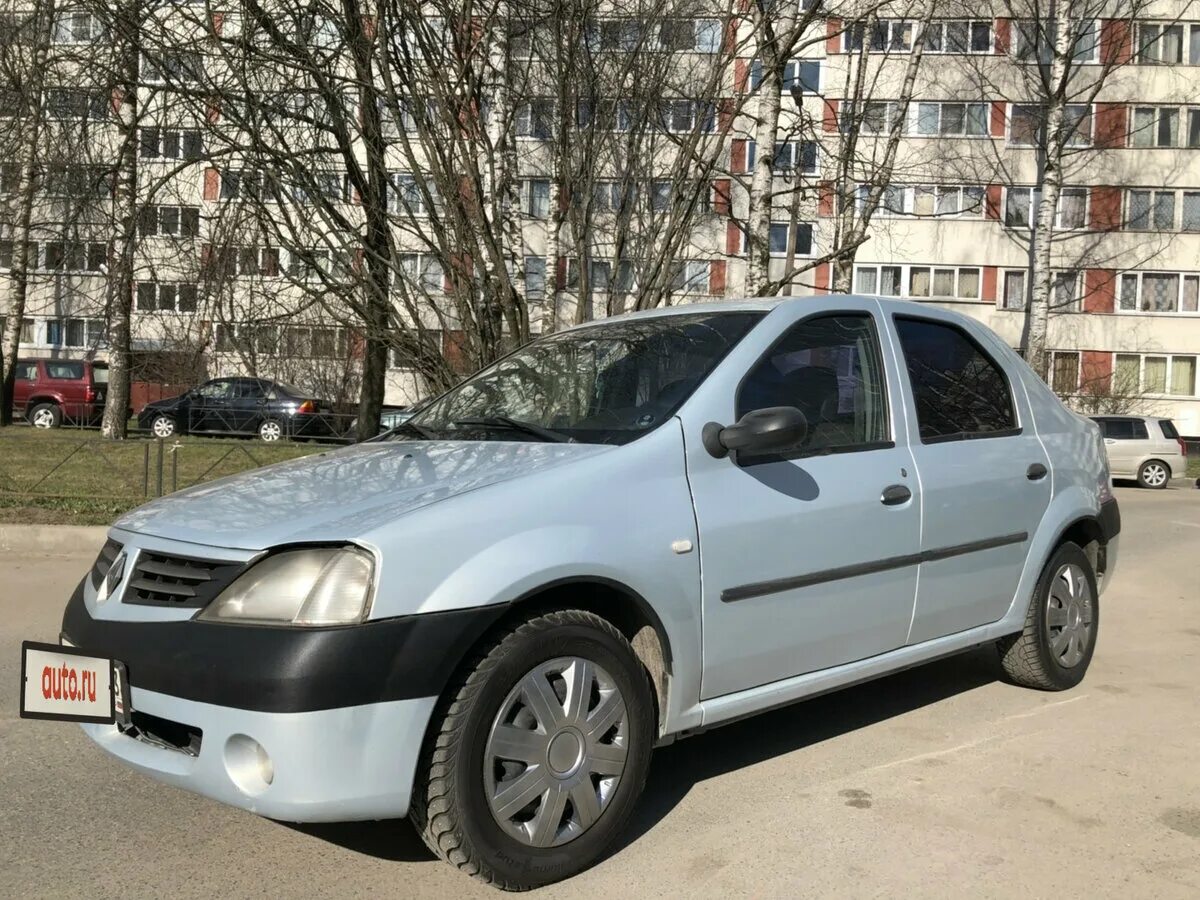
<point x="1110" y="519"/>
<point x="273" y="669"/>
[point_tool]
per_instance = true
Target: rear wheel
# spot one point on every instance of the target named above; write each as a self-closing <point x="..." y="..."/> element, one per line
<point x="538" y="754"/>
<point x="1054" y="650"/>
<point x="1154" y="474"/>
<point x="45" y="415"/>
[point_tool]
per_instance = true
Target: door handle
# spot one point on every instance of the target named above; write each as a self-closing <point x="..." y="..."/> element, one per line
<point x="895" y="494"/>
<point x="1036" y="472"/>
<point x="1110" y="440"/>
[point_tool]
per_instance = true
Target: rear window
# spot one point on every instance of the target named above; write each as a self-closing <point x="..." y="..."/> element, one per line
<point x="99" y="374"/>
<point x="1168" y="429"/>
<point x="67" y="371"/>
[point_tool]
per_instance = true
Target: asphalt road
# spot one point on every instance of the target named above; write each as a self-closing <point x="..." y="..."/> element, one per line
<point x="941" y="781"/>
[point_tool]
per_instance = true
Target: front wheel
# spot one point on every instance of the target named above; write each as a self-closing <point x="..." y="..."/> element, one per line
<point x="163" y="426"/>
<point x="537" y="756"/>
<point x="1153" y="474"/>
<point x="1054" y="650"/>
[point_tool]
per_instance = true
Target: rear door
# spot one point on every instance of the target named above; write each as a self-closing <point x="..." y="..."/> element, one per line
<point x="1126" y="441"/>
<point x="985" y="477"/>
<point x="248" y="399"/>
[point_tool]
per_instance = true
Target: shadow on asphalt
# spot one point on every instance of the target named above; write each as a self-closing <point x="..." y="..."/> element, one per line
<point x="676" y="768"/>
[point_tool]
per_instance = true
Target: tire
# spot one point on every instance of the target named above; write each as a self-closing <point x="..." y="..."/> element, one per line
<point x="1037" y="657"/>
<point x="270" y="431"/>
<point x="1154" y="474"/>
<point x="45" y="415"/>
<point x="458" y="803"/>
<point x="162" y="426"/>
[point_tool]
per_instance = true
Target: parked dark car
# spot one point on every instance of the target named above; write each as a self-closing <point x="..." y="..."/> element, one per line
<point x="240" y="406"/>
<point x="49" y="392"/>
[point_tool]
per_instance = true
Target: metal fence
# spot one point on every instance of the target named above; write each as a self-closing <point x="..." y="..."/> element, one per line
<point x="37" y="466"/>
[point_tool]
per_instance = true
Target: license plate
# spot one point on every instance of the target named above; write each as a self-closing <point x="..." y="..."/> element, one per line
<point x="66" y="684"/>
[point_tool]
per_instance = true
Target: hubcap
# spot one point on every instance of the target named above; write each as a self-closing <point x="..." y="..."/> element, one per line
<point x="163" y="427"/>
<point x="43" y="418"/>
<point x="556" y="752"/>
<point x="270" y="431"/>
<point x="1155" y="474"/>
<point x="1069" y="613"/>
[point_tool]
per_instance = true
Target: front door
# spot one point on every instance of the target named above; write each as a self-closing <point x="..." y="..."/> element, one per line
<point x="209" y="408"/>
<point x="803" y="554"/>
<point x="985" y="476"/>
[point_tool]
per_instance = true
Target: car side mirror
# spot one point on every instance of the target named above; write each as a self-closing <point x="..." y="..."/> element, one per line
<point x="759" y="431"/>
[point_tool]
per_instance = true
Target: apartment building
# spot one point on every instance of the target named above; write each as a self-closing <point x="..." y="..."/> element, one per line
<point x="953" y="228"/>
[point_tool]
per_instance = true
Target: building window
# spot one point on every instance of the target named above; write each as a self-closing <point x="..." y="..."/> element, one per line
<point x="154" y="296"/>
<point x="176" y="221"/>
<point x="169" y="143"/>
<point x="950" y="120"/>
<point x="611" y="196"/>
<point x="1035" y="40"/>
<point x="423" y="271"/>
<point x="320" y="264"/>
<point x="690" y="277"/>
<point x="1064" y="372"/>
<point x="1162" y="44"/>
<point x="535" y="119"/>
<point x="1191" y="211"/>
<point x="690" y="35"/>
<point x="886" y="36"/>
<point x="685" y="116"/>
<point x="407" y="196"/>
<point x="802" y="75"/>
<point x="73" y="256"/>
<point x="1014" y="290"/>
<point x="77" y="28"/>
<point x="535" y="277"/>
<point x="883" y="281"/>
<point x="535" y="197"/>
<point x="777" y="239"/>
<point x="77" y="181"/>
<point x="1158" y="126"/>
<point x="944" y="200"/>
<point x="1158" y="292"/>
<point x="1064" y="289"/>
<point x="1021" y="208"/>
<point x="1173" y="376"/>
<point x="74" y="333"/>
<point x="176" y="67"/>
<point x="974" y="36"/>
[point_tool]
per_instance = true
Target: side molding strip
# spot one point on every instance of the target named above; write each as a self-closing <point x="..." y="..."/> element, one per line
<point x="778" y="585"/>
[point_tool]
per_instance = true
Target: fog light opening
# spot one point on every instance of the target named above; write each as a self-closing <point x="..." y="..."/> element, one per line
<point x="248" y="764"/>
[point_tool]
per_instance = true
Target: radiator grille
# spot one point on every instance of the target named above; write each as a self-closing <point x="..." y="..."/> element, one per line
<point x="160" y="579"/>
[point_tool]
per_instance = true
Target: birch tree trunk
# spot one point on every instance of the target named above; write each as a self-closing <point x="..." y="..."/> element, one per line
<point x="1038" y="313"/>
<point x="758" y="223"/>
<point x="127" y="21"/>
<point x="43" y="25"/>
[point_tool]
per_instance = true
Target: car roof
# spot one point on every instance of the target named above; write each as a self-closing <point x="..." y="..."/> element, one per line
<point x="767" y="304"/>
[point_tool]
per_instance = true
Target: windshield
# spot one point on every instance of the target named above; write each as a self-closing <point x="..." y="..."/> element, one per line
<point x="607" y="384"/>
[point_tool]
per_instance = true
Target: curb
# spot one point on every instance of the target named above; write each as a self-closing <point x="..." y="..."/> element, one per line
<point x="63" y="540"/>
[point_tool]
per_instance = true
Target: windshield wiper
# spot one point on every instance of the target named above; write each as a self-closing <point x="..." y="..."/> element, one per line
<point x="546" y="434"/>
<point x="419" y="430"/>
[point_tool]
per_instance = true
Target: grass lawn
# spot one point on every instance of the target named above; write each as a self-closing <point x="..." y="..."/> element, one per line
<point x="1193" y="470"/>
<point x="68" y="476"/>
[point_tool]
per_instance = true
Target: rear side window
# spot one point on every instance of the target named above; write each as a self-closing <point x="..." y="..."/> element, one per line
<point x="1125" y="429"/>
<point x="100" y="374"/>
<point x="72" y="371"/>
<point x="1168" y="429"/>
<point x="960" y="391"/>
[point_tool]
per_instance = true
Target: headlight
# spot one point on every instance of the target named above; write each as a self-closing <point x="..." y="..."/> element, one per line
<point x="313" y="586"/>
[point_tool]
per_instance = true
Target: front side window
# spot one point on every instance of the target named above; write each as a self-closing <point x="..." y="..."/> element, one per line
<point x="960" y="391"/>
<point x="605" y="384"/>
<point x="830" y="369"/>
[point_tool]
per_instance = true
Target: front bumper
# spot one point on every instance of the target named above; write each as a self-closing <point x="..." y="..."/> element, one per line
<point x="331" y="765"/>
<point x="340" y="713"/>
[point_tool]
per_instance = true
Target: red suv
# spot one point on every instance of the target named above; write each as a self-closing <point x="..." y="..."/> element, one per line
<point x="50" y="391"/>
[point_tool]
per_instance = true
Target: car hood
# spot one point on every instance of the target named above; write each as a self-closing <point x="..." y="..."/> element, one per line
<point x="340" y="494"/>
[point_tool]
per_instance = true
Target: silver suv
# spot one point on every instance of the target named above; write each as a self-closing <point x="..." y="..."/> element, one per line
<point x="1147" y="448"/>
